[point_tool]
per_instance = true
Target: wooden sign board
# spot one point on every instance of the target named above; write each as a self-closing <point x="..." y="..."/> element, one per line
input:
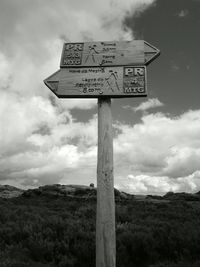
<point x="127" y="81"/>
<point x="95" y="54"/>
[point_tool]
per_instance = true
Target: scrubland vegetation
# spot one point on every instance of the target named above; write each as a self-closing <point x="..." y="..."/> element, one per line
<point x="39" y="231"/>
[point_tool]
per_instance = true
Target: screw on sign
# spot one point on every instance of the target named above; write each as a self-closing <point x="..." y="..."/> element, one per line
<point x="103" y="70"/>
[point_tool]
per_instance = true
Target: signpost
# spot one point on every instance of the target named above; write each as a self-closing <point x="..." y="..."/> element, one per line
<point x="95" y="54"/>
<point x="98" y="82"/>
<point x="103" y="70"/>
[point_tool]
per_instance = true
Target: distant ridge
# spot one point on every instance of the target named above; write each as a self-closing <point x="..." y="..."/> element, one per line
<point x="74" y="191"/>
<point x="8" y="191"/>
<point x="86" y="192"/>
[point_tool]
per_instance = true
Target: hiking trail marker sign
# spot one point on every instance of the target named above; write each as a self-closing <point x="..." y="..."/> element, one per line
<point x="95" y="54"/>
<point x="103" y="70"/>
<point x="98" y="81"/>
<point x="96" y="69"/>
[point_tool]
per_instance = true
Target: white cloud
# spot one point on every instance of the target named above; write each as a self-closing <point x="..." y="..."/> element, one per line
<point x="160" y="146"/>
<point x="150" y="103"/>
<point x="34" y="25"/>
<point x="51" y="156"/>
<point x="183" y="13"/>
<point x="157" y="155"/>
<point x="144" y="184"/>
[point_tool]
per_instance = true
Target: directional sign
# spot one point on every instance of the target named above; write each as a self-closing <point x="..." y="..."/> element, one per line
<point x="95" y="54"/>
<point x="103" y="70"/>
<point x="127" y="81"/>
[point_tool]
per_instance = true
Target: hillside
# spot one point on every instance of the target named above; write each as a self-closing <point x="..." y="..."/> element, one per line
<point x="83" y="191"/>
<point x="43" y="228"/>
<point x="7" y="191"/>
<point x="74" y="191"/>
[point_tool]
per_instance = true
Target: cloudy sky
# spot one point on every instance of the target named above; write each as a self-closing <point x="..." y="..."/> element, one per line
<point x="46" y="140"/>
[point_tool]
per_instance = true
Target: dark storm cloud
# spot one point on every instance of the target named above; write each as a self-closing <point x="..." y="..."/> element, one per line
<point x="175" y="72"/>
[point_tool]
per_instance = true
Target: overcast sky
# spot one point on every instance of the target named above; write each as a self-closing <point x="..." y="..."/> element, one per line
<point x="45" y="140"/>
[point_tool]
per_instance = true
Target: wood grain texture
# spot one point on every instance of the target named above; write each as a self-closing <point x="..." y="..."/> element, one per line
<point x="95" y="82"/>
<point x="105" y="221"/>
<point x="95" y="54"/>
<point x="102" y="54"/>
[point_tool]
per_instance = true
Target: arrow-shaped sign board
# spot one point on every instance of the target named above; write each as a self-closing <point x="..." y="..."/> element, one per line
<point x="98" y="81"/>
<point x="95" y="54"/>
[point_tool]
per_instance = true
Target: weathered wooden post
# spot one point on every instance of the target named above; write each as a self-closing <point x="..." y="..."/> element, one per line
<point x="105" y="221"/>
<point x="103" y="70"/>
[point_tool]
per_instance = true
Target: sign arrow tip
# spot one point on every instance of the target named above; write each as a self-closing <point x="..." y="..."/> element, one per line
<point x="53" y="81"/>
<point x="150" y="52"/>
<point x="53" y="85"/>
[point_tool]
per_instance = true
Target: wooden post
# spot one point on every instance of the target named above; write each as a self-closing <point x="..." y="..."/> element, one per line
<point x="105" y="220"/>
